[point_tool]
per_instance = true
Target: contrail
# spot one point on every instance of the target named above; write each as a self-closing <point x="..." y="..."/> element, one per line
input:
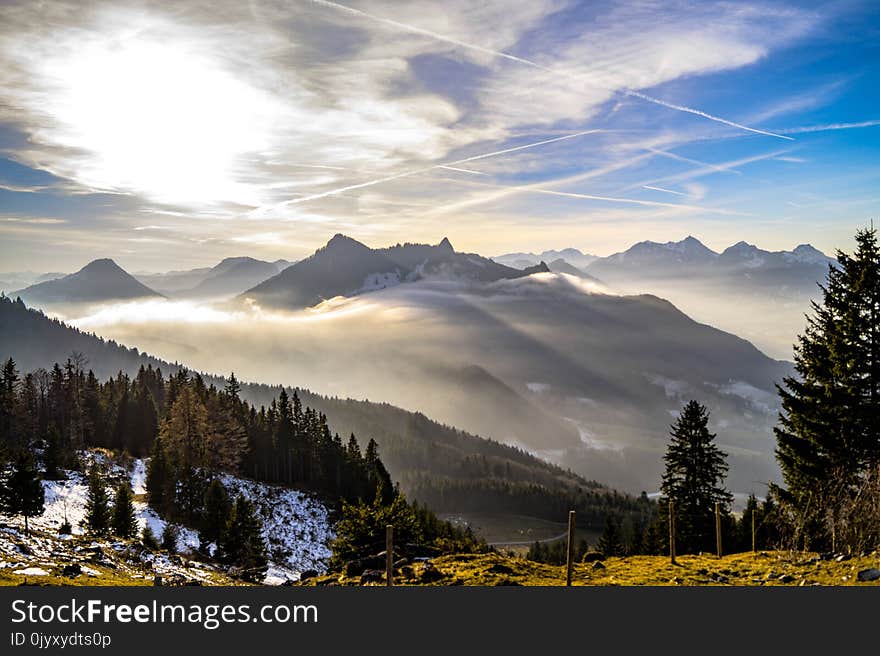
<point x="411" y="172"/>
<point x="607" y="199"/>
<point x="460" y="170"/>
<point x="665" y="191"/>
<point x="533" y="64"/>
<point x="831" y="126"/>
<point x="688" y="160"/>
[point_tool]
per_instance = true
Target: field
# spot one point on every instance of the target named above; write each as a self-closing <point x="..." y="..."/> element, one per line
<point x="746" y="569"/>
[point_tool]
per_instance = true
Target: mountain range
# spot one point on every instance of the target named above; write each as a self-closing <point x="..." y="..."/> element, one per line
<point x="98" y="281"/>
<point x="758" y="294"/>
<point x="230" y="277"/>
<point x="345" y="267"/>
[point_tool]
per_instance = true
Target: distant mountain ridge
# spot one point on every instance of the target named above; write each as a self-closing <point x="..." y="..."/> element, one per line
<point x="345" y="267"/>
<point x="229" y="277"/>
<point x="98" y="281"/>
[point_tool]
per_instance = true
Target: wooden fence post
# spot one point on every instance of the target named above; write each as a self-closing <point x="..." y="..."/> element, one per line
<point x="671" y="511"/>
<point x="569" y="560"/>
<point x="389" y="555"/>
<point x="753" y="532"/>
<point x="718" y="527"/>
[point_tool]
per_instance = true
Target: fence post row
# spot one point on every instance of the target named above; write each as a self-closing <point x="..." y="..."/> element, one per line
<point x="718" y="527"/>
<point x="671" y="512"/>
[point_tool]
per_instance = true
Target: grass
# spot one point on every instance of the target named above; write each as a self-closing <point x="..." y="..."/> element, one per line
<point x="746" y="569"/>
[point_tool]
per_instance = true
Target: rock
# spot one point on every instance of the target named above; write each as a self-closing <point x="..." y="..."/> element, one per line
<point x="598" y="565"/>
<point x="508" y="582"/>
<point x="373" y="576"/>
<point x="24" y="549"/>
<point x="841" y="558"/>
<point x="430" y="573"/>
<point x="72" y="570"/>
<point x="308" y="574"/>
<point x="193" y="583"/>
<point x="157" y="580"/>
<point x="593" y="556"/>
<point x="287" y="583"/>
<point x="785" y="578"/>
<point x="499" y="568"/>
<point x="870" y="574"/>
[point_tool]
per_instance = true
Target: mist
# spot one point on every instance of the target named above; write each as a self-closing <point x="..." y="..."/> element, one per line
<point x="550" y="363"/>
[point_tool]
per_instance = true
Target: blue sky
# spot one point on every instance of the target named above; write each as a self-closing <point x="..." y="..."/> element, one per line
<point x="169" y="136"/>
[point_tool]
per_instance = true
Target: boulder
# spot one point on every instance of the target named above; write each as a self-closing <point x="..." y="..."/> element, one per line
<point x="72" y="570"/>
<point x="598" y="565"/>
<point x="593" y="556"/>
<point x="870" y="574"/>
<point x="308" y="574"/>
<point x="373" y="576"/>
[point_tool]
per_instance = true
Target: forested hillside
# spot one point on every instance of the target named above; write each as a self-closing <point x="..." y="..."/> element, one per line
<point x="450" y="470"/>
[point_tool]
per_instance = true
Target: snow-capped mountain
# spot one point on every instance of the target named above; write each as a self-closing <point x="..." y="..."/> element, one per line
<point x="346" y="267"/>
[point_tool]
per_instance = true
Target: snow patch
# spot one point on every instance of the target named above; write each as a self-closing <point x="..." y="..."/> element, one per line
<point x="376" y="281"/>
<point x="32" y="571"/>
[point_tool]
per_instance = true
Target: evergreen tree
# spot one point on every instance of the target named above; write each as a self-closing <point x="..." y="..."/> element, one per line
<point x="53" y="458"/>
<point x="610" y="542"/>
<point x="98" y="515"/>
<point x="170" y="537"/>
<point x="829" y="429"/>
<point x="123" y="521"/>
<point x="215" y="517"/>
<point x="148" y="539"/>
<point x="242" y="545"/>
<point x="22" y="492"/>
<point x="160" y="478"/>
<point x="694" y="476"/>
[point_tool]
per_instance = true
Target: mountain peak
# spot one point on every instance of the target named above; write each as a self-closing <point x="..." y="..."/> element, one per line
<point x="340" y="241"/>
<point x="102" y="265"/>
<point x="446" y="244"/>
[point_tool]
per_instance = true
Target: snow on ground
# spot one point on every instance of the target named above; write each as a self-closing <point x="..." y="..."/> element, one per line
<point x="296" y="526"/>
<point x="32" y="571"/>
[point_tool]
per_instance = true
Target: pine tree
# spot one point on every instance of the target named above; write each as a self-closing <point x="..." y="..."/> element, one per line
<point x="243" y="546"/>
<point x="52" y="456"/>
<point x="829" y="430"/>
<point x="123" y="521"/>
<point x="160" y="480"/>
<point x="22" y="492"/>
<point x="610" y="542"/>
<point x="215" y="517"/>
<point x="148" y="539"/>
<point x="170" y="537"/>
<point x="694" y="476"/>
<point x="98" y="516"/>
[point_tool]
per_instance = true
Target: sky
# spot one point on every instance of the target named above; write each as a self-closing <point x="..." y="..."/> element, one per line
<point x="171" y="135"/>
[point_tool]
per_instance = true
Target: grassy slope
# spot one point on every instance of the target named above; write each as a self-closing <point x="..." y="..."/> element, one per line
<point x="746" y="569"/>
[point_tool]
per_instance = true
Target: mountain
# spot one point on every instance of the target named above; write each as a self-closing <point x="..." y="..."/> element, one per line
<point x="100" y="280"/>
<point x="423" y="455"/>
<point x="12" y="280"/>
<point x="758" y="294"/>
<point x="231" y="276"/>
<point x="561" y="266"/>
<point x="345" y="267"/>
<point x="522" y="260"/>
